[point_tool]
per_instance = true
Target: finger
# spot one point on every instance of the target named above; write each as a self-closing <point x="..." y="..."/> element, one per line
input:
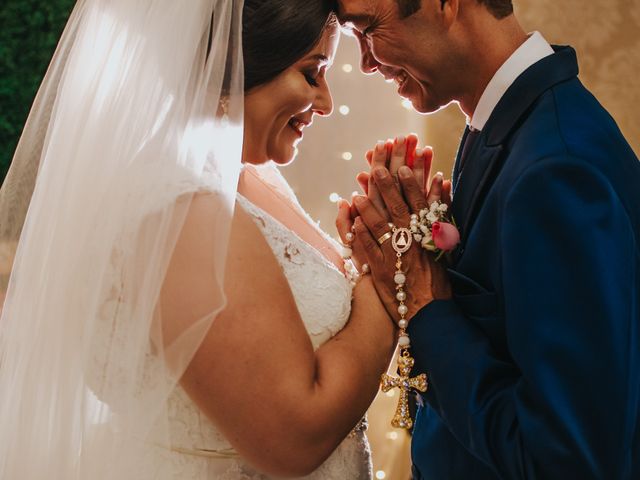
<point x="363" y="181"/>
<point x="374" y="195"/>
<point x="446" y="192"/>
<point x="377" y="225"/>
<point x="412" y="143"/>
<point x="418" y="169"/>
<point x="365" y="245"/>
<point x="412" y="190"/>
<point x="398" y="155"/>
<point x="344" y="222"/>
<point x="369" y="156"/>
<point x="435" y="191"/>
<point x="379" y="158"/>
<point x="353" y="210"/>
<point x="396" y="206"/>
<point x="427" y="153"/>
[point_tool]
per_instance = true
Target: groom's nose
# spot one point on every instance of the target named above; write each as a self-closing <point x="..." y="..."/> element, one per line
<point x="368" y="63"/>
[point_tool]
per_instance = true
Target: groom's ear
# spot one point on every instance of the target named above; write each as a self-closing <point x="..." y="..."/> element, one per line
<point x="449" y="11"/>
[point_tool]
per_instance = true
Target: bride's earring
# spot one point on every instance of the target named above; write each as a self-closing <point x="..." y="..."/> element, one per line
<point x="223" y="110"/>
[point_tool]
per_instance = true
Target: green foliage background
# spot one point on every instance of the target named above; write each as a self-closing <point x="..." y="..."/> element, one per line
<point x="29" y="33"/>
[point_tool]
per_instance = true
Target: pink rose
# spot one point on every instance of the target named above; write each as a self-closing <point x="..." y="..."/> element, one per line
<point x="445" y="236"/>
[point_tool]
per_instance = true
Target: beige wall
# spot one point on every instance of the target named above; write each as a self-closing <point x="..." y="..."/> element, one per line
<point x="606" y="35"/>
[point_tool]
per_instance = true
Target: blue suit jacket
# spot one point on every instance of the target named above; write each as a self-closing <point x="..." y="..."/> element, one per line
<point x="534" y="366"/>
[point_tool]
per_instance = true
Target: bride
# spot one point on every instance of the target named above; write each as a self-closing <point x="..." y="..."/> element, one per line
<point x="172" y="312"/>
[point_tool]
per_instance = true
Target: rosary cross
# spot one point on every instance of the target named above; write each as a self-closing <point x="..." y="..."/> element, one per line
<point x="405" y="383"/>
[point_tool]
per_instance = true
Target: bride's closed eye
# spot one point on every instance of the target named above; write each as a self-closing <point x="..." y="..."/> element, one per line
<point x="313" y="75"/>
<point x="312" y="78"/>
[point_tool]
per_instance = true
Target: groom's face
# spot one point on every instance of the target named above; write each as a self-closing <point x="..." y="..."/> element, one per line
<point x="412" y="48"/>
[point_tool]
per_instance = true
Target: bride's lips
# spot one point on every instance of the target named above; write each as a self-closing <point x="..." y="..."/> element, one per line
<point x="297" y="125"/>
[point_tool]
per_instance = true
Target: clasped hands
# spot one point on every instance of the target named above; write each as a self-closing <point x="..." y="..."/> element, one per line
<point x="394" y="189"/>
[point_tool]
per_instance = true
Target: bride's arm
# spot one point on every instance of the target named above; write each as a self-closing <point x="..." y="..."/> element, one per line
<point x="282" y="406"/>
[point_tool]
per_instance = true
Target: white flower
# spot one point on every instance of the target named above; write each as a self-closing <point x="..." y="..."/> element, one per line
<point x="433" y="207"/>
<point x="417" y="237"/>
<point x="443" y="208"/>
<point x="425" y="230"/>
<point x="432" y="217"/>
<point x="427" y="244"/>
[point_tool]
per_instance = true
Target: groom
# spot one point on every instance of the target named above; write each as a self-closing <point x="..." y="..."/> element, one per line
<point x="534" y="360"/>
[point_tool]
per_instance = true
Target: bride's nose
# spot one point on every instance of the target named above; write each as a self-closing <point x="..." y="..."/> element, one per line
<point x="323" y="104"/>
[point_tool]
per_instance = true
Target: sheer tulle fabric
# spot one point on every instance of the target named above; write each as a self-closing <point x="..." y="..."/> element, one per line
<point x="126" y="128"/>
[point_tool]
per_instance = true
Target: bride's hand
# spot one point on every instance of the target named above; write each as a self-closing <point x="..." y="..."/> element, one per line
<point x="345" y="225"/>
<point x="393" y="155"/>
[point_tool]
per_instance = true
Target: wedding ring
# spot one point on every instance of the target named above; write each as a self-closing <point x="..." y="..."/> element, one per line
<point x="385" y="237"/>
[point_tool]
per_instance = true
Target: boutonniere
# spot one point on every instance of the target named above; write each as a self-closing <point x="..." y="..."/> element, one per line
<point x="434" y="230"/>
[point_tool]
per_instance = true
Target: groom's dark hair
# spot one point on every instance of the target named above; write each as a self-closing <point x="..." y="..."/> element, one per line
<point x="498" y="8"/>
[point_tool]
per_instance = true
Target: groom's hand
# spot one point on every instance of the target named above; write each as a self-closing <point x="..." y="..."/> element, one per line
<point x="426" y="279"/>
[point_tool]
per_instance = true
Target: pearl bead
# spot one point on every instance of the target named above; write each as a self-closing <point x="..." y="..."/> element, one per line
<point x="401" y="296"/>
<point x="404" y="341"/>
<point x="403" y="323"/>
<point x="366" y="268"/>
<point x="349" y="236"/>
<point x="400" y="279"/>
<point x="403" y="310"/>
<point x="346" y="252"/>
<point x="413" y="222"/>
<point x="414" y="216"/>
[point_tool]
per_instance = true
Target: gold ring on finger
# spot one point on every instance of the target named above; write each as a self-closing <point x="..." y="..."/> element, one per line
<point x="385" y="237"/>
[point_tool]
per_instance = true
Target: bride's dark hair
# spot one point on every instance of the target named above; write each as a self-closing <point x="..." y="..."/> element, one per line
<point x="278" y="33"/>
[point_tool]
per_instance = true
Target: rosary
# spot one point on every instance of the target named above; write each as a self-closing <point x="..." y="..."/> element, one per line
<point x="420" y="229"/>
<point x="401" y="240"/>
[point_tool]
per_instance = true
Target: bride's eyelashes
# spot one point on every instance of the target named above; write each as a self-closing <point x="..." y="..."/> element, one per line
<point x="313" y="76"/>
<point x="312" y="79"/>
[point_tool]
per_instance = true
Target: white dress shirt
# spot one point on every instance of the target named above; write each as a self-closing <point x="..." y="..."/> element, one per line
<point x="533" y="50"/>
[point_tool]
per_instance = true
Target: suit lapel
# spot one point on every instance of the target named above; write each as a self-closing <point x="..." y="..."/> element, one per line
<point x="456" y="168"/>
<point x="477" y="177"/>
<point x="485" y="159"/>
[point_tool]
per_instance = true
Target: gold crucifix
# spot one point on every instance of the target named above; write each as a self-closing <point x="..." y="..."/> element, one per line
<point x="405" y="383"/>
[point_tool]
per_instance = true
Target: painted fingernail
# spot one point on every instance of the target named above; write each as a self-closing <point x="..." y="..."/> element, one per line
<point x="400" y="140"/>
<point x="380" y="173"/>
<point x="440" y="175"/>
<point x="379" y="146"/>
<point x="419" y="152"/>
<point x="404" y="171"/>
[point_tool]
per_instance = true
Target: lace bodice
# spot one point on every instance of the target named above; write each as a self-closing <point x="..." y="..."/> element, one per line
<point x="323" y="297"/>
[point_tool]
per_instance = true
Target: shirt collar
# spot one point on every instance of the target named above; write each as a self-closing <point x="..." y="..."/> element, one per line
<point x="533" y="50"/>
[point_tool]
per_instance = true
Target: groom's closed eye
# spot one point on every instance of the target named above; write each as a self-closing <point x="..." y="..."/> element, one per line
<point x="359" y="23"/>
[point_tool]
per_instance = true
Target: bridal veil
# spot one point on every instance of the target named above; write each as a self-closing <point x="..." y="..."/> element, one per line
<point x="141" y="109"/>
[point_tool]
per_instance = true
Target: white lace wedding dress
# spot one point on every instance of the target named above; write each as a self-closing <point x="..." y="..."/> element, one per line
<point x="323" y="298"/>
